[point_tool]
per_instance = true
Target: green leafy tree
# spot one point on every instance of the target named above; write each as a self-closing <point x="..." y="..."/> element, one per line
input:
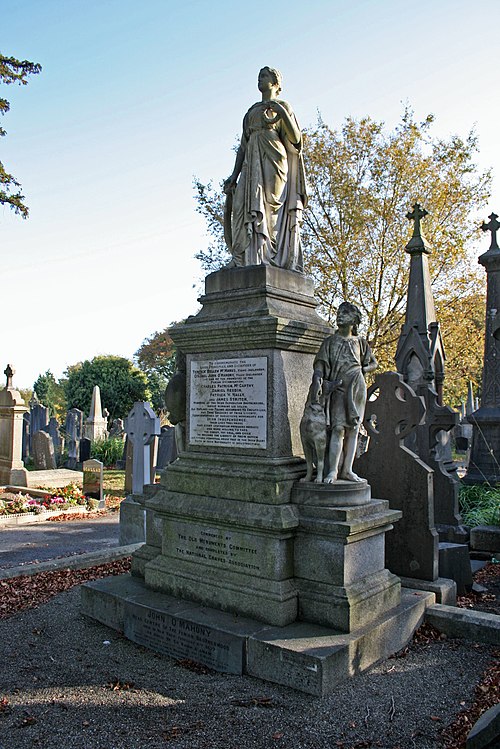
<point x="156" y="358"/>
<point x="13" y="71"/>
<point x="120" y="382"/>
<point x="50" y="393"/>
<point x="362" y="181"/>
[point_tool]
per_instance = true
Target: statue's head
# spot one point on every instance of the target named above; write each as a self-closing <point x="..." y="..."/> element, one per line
<point x="348" y="313"/>
<point x="275" y="75"/>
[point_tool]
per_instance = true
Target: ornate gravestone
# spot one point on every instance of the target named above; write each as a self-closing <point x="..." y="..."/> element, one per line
<point x="395" y="473"/>
<point x="12" y="410"/>
<point x="420" y="358"/>
<point x="142" y="427"/>
<point x="484" y="463"/>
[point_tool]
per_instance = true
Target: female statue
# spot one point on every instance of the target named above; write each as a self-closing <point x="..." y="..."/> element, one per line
<point x="266" y="192"/>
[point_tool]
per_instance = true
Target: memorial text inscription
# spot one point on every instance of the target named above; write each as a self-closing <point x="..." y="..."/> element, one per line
<point x="228" y="402"/>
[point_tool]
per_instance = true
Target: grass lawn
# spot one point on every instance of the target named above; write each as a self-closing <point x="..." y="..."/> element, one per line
<point x="114" y="487"/>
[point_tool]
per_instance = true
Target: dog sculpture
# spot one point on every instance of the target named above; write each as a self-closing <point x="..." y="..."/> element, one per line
<point x="313" y="436"/>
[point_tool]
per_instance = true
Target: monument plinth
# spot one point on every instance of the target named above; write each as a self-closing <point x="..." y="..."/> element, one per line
<point x="225" y="505"/>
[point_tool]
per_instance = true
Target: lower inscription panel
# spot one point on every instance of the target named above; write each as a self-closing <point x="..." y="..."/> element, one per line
<point x="178" y="637"/>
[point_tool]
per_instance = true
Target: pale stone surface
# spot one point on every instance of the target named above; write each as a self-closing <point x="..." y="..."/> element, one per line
<point x="444" y="589"/>
<point x="96" y="426"/>
<point x="54" y="478"/>
<point x="471" y="625"/>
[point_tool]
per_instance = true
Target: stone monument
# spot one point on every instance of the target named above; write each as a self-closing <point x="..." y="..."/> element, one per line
<point x="245" y="568"/>
<point x="420" y="358"/>
<point x="44" y="456"/>
<point x="142" y="427"/>
<point x="12" y="410"/>
<point x="484" y="462"/>
<point x="74" y="433"/>
<point x="96" y="426"/>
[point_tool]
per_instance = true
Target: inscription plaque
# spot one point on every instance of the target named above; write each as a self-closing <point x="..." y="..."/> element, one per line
<point x="180" y="638"/>
<point x="228" y="402"/>
<point x="215" y="547"/>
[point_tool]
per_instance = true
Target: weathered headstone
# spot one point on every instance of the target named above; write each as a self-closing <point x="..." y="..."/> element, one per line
<point x="53" y="429"/>
<point x="395" y="473"/>
<point x="93" y="480"/>
<point x="39" y="418"/>
<point x="117" y="429"/>
<point x="43" y="452"/>
<point x="167" y="451"/>
<point x="96" y="426"/>
<point x="85" y="445"/>
<point x="74" y="432"/>
<point x="26" y="436"/>
<point x="142" y="425"/>
<point x="12" y="409"/>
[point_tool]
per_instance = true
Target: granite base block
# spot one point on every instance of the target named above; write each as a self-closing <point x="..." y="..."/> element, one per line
<point x="485" y="538"/>
<point x="132" y="522"/>
<point x="303" y="656"/>
<point x="444" y="589"/>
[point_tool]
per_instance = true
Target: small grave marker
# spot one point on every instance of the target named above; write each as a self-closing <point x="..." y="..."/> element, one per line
<point x="93" y="480"/>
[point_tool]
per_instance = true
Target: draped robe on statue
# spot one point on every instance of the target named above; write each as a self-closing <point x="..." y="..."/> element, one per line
<point x="262" y="221"/>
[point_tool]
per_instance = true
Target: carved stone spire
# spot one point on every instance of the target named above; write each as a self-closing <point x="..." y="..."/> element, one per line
<point x="420" y="352"/>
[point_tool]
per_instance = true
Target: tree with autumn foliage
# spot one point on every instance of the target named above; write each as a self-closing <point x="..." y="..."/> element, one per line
<point x="156" y="358"/>
<point x="13" y="71"/>
<point x="362" y="181"/>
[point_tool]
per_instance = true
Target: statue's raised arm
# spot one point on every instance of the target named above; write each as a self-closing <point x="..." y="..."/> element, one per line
<point x="266" y="192"/>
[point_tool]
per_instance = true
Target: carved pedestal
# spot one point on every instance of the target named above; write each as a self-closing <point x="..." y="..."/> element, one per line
<point x="339" y="558"/>
<point x="227" y="519"/>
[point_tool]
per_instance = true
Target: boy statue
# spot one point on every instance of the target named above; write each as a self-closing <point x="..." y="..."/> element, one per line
<point x="339" y="385"/>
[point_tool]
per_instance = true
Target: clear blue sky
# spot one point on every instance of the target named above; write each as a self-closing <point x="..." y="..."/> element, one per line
<point x="137" y="97"/>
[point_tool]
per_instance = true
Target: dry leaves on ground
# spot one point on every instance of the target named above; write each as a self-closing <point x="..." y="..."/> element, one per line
<point x="19" y="593"/>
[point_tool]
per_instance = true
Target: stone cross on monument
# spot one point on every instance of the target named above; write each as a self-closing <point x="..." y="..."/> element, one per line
<point x="141" y="426"/>
<point x="9" y="373"/>
<point x="416" y="215"/>
<point x="493" y="227"/>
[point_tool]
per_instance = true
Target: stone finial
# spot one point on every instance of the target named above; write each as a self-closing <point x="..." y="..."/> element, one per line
<point x="493" y="225"/>
<point x="418" y="242"/>
<point x="9" y="372"/>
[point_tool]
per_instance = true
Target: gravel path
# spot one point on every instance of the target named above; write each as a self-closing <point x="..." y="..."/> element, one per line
<point x="63" y="687"/>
